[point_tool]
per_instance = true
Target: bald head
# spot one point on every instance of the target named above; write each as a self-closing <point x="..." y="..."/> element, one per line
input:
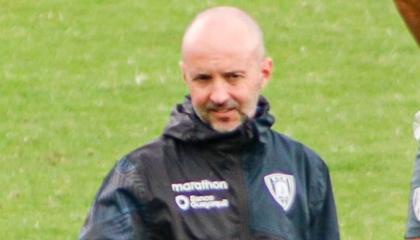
<point x="224" y="67"/>
<point x="223" y="28"/>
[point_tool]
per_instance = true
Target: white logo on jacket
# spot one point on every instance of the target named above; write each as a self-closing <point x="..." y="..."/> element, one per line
<point x="282" y="187"/>
<point x="416" y="203"/>
<point x="200" y="194"/>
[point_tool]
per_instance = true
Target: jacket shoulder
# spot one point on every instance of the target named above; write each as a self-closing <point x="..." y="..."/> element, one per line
<point x="146" y="151"/>
<point x="298" y="150"/>
<point x="149" y="154"/>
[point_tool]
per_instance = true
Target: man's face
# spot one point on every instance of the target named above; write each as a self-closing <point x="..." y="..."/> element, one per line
<point x="225" y="85"/>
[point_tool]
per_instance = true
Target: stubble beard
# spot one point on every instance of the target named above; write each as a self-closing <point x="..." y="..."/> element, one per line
<point x="205" y="115"/>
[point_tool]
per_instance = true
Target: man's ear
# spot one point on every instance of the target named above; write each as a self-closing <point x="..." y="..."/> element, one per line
<point x="266" y="71"/>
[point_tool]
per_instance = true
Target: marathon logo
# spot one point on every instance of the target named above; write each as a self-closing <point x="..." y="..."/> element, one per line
<point x="203" y="185"/>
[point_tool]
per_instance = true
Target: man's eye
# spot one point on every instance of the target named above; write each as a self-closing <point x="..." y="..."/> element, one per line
<point x="234" y="76"/>
<point x="202" y="77"/>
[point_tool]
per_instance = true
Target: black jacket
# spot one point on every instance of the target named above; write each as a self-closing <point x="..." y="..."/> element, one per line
<point x="196" y="183"/>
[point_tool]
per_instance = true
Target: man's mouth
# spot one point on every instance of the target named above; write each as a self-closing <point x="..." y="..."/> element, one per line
<point x="223" y="113"/>
<point x="222" y="110"/>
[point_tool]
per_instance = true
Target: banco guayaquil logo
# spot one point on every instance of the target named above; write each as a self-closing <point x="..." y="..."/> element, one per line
<point x="282" y="187"/>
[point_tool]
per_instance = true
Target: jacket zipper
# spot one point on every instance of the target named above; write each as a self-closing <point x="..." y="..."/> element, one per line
<point x="243" y="202"/>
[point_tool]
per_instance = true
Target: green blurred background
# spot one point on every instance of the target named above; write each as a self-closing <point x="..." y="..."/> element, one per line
<point x="84" y="82"/>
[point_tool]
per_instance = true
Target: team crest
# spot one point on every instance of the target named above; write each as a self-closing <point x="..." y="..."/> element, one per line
<point x="416" y="203"/>
<point x="283" y="188"/>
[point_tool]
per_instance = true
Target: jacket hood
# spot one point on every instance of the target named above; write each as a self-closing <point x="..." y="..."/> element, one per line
<point x="186" y="126"/>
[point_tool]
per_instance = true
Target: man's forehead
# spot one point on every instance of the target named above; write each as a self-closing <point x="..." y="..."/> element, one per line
<point x="222" y="52"/>
<point x="228" y="60"/>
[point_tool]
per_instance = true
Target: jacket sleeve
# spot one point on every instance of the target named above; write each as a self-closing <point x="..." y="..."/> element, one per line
<point x="324" y="223"/>
<point x="117" y="210"/>
<point x="413" y="222"/>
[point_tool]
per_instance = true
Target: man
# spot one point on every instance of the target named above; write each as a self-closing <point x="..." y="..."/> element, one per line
<point x="410" y="11"/>
<point x="413" y="223"/>
<point x="218" y="171"/>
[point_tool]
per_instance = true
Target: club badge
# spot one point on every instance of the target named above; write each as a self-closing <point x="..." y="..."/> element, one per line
<point x="282" y="187"/>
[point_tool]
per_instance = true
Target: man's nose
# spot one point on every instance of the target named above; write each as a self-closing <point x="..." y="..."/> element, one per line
<point x="219" y="92"/>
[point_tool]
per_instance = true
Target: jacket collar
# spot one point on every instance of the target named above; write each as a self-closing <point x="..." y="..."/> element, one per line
<point x="184" y="125"/>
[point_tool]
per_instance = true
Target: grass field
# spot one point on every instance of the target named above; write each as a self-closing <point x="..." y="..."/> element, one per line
<point x="84" y="82"/>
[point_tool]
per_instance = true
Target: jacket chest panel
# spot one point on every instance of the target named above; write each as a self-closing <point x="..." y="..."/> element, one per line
<point x="202" y="198"/>
<point x="277" y="197"/>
